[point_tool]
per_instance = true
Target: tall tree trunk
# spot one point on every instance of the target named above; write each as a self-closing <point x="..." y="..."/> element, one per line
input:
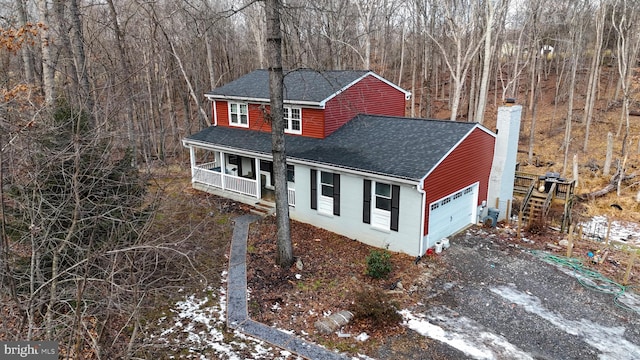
<point x="81" y="61"/>
<point x="575" y="54"/>
<point x="284" y="253"/>
<point x="126" y="79"/>
<point x="65" y="53"/>
<point x="594" y="76"/>
<point x="27" y="58"/>
<point x="486" y="63"/>
<point x="534" y="111"/>
<point x="48" y="64"/>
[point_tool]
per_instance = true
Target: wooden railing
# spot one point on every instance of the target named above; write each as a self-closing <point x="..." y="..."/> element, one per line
<point x="523" y="181"/>
<point x="550" y="196"/>
<point x="527" y="197"/>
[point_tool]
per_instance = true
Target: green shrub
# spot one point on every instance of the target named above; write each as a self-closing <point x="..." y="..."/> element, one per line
<point x="376" y="306"/>
<point x="378" y="264"/>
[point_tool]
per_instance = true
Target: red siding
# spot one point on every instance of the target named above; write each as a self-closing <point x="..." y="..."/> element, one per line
<point x="312" y="119"/>
<point x="313" y="123"/>
<point x="469" y="163"/>
<point x="222" y="110"/>
<point x="368" y="96"/>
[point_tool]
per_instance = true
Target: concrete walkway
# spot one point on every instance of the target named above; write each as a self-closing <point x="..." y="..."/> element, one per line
<point x="237" y="313"/>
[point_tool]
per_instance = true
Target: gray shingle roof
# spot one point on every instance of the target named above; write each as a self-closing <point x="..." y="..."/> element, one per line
<point x="400" y="147"/>
<point x="299" y="85"/>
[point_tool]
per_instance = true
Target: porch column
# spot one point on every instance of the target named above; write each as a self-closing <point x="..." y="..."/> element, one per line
<point x="192" y="157"/>
<point x="223" y="168"/>
<point x="257" y="175"/>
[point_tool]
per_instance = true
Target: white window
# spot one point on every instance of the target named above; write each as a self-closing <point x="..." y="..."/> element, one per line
<point x="238" y="115"/>
<point x="293" y="120"/>
<point x="325" y="203"/>
<point x="381" y="207"/>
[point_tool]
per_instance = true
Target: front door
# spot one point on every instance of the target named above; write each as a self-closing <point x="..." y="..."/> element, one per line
<point x="267" y="182"/>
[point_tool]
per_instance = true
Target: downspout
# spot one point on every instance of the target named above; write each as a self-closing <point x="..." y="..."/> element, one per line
<point x="215" y="114"/>
<point x="423" y="211"/>
<point x="192" y="157"/>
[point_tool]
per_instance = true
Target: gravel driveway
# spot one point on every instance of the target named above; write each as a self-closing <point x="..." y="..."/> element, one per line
<point x="500" y="301"/>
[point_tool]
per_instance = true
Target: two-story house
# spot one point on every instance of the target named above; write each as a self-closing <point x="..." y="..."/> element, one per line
<point x="356" y="165"/>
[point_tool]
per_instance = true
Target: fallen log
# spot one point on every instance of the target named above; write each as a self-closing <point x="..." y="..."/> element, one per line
<point x="612" y="186"/>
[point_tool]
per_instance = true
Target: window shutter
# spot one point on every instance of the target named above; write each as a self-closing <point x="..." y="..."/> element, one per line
<point x="395" y="206"/>
<point x="366" y="203"/>
<point x="314" y="189"/>
<point x="336" y="194"/>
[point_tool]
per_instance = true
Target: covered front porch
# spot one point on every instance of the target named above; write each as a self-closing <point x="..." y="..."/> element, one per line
<point x="250" y="177"/>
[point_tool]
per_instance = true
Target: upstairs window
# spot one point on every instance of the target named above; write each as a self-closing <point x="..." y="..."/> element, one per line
<point x="238" y="115"/>
<point x="292" y="120"/>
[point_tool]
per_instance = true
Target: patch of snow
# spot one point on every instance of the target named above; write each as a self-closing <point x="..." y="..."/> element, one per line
<point x="623" y="231"/>
<point x="609" y="340"/>
<point x="197" y="324"/>
<point x="463" y="334"/>
<point x="362" y="357"/>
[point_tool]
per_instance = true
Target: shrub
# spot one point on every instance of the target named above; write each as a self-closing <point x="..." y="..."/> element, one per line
<point x="378" y="264"/>
<point x="377" y="306"/>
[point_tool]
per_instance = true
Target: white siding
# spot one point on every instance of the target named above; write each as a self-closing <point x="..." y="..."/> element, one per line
<point x="350" y="223"/>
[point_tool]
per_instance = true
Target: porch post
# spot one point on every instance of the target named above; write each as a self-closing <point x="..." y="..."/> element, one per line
<point x="192" y="157"/>
<point x="257" y="175"/>
<point x="223" y="168"/>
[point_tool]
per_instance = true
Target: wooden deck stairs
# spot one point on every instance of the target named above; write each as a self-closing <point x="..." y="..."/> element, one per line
<point x="540" y="193"/>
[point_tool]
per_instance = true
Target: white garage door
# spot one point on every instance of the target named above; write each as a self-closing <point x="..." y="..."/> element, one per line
<point x="452" y="213"/>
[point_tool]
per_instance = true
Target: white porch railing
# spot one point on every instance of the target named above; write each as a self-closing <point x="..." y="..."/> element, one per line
<point x="204" y="174"/>
<point x="241" y="185"/>
<point x="208" y="177"/>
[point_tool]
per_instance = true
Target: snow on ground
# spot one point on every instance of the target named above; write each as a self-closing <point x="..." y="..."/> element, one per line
<point x="609" y="340"/>
<point x="463" y="334"/>
<point x="196" y="331"/>
<point x="197" y="326"/>
<point x="623" y="231"/>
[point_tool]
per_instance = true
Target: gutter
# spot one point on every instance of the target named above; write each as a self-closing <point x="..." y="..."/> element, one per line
<point x="215" y="114"/>
<point x="422" y="215"/>
<point x="312" y="104"/>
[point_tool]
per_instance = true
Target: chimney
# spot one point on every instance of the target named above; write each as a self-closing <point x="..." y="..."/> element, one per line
<point x="504" y="159"/>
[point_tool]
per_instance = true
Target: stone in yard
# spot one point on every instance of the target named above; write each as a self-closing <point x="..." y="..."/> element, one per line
<point x="333" y="322"/>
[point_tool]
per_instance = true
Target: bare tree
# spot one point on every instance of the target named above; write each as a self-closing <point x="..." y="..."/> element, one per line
<point x="284" y="254"/>
<point x="27" y="57"/>
<point x="459" y="43"/>
<point x="625" y="19"/>
<point x="494" y="14"/>
<point x="48" y="63"/>
<point x="594" y="72"/>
